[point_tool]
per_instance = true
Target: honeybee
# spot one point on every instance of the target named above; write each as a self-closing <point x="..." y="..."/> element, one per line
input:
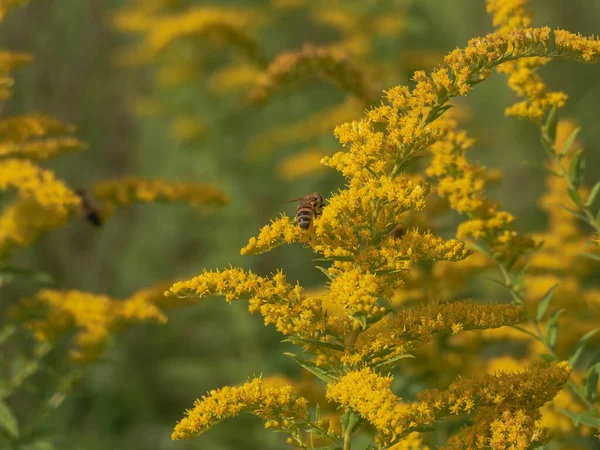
<point x="90" y="211"/>
<point x="309" y="208"/>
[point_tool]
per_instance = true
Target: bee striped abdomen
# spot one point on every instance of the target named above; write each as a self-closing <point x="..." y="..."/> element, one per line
<point x="304" y="217"/>
<point x="309" y="208"/>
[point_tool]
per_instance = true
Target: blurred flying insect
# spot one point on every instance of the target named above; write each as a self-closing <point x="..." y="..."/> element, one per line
<point x="90" y="210"/>
<point x="398" y="232"/>
<point x="309" y="208"/>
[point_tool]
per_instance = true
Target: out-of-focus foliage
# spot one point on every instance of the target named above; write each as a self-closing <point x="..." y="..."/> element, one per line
<point x="245" y="96"/>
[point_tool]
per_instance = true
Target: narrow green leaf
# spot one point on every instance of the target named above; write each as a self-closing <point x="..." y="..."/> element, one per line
<point x="575" y="171"/>
<point x="350" y="420"/>
<point x="547" y="357"/>
<point x="404" y="164"/>
<point x="547" y="146"/>
<point x="479" y="248"/>
<point x="393" y="359"/>
<point x="361" y="319"/>
<point x="552" y="332"/>
<point x="575" y="213"/>
<point x="593" y="194"/>
<point x="581" y="418"/>
<point x="590" y="382"/>
<point x="591" y="256"/>
<point x="580" y="346"/>
<point x="543" y="306"/>
<point x="9" y="274"/>
<point x="575" y="197"/>
<point x="313" y="368"/>
<point x="325" y="272"/>
<point x="569" y="143"/>
<point x="549" y="128"/>
<point x="8" y="421"/>
<point x="301" y="341"/>
<point x="541" y="167"/>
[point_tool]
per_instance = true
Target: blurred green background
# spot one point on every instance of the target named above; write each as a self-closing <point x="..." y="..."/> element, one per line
<point x="153" y="373"/>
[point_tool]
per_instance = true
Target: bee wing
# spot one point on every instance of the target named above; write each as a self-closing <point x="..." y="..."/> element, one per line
<point x="294" y="200"/>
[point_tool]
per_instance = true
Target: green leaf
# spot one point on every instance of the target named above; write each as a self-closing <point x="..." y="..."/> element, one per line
<point x="541" y="167"/>
<point x="552" y="332"/>
<point x="404" y="164"/>
<point x="581" y="418"/>
<point x="325" y="272"/>
<point x="575" y="172"/>
<point x="575" y="213"/>
<point x="591" y="256"/>
<point x="580" y="346"/>
<point x="547" y="357"/>
<point x="334" y="258"/>
<point x="549" y="128"/>
<point x="301" y="341"/>
<point x="350" y="420"/>
<point x="320" y="372"/>
<point x="544" y="303"/>
<point x="547" y="146"/>
<point x="8" y="421"/>
<point x="8" y="274"/>
<point x="37" y="445"/>
<point x="569" y="143"/>
<point x="575" y="196"/>
<point x="593" y="194"/>
<point x="479" y="248"/>
<point x="590" y="382"/>
<point x="361" y="319"/>
<point x="393" y="359"/>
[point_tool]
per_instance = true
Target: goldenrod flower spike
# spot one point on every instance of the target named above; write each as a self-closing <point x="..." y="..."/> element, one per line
<point x="22" y="221"/>
<point x="369" y="394"/>
<point x="279" y="302"/>
<point x="278" y="406"/>
<point x="331" y="63"/>
<point x="130" y="190"/>
<point x="36" y="183"/>
<point x="93" y="317"/>
<point x="36" y="137"/>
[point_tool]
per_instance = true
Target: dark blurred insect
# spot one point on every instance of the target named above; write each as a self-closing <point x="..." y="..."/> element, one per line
<point x="90" y="210"/>
<point x="309" y="208"/>
<point x="398" y="232"/>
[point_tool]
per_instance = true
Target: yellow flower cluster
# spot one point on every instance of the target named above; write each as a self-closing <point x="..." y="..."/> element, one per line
<point x="129" y="190"/>
<point x="370" y="395"/>
<point x="34" y="137"/>
<point x="279" y="406"/>
<point x="36" y="183"/>
<point x="582" y="48"/>
<point x="22" y="221"/>
<point x="509" y="14"/>
<point x="162" y="30"/>
<point x="9" y="61"/>
<point x="462" y="183"/>
<point x="94" y="317"/>
<point x="393" y="336"/>
<point x="457" y="180"/>
<point x="333" y="64"/>
<point x="274" y="298"/>
<point x="497" y="429"/>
